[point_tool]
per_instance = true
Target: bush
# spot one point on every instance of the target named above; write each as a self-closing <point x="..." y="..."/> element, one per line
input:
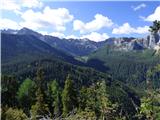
<point x="15" y="114"/>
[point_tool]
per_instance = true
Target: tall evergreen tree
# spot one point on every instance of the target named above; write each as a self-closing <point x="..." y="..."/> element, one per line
<point x="55" y="93"/>
<point x="26" y="94"/>
<point x="9" y="86"/>
<point x="69" y="96"/>
<point x="104" y="102"/>
<point x="40" y="109"/>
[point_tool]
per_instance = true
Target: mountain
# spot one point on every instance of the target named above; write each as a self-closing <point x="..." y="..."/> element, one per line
<point x="82" y="47"/>
<point x="22" y="52"/>
<point x="124" y="44"/>
<point x="129" y="44"/>
<point x="75" y="47"/>
<point x="24" y="47"/>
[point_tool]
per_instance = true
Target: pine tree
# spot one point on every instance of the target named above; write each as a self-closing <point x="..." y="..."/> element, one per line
<point x="155" y="27"/>
<point x="105" y="105"/>
<point x="40" y="109"/>
<point x="55" y="93"/>
<point x="9" y="86"/>
<point x="69" y="97"/>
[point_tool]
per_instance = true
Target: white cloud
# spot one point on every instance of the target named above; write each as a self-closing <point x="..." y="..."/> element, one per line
<point x="94" y="36"/>
<point x="139" y="7"/>
<point x="97" y="37"/>
<point x="8" y="24"/>
<point x="127" y="29"/>
<point x="30" y="21"/>
<point x="154" y="16"/>
<point x="57" y="34"/>
<point x="99" y="22"/>
<point x="71" y="36"/>
<point x="16" y="5"/>
<point x="142" y="30"/>
<point x="54" y="18"/>
<point x="32" y="3"/>
<point x="43" y="32"/>
<point x="31" y="25"/>
<point x="10" y="5"/>
<point x="124" y="29"/>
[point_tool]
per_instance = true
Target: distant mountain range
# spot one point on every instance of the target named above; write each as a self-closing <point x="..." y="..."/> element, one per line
<point x="81" y="47"/>
<point x="72" y="46"/>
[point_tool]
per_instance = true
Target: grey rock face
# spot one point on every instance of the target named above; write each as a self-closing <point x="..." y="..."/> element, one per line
<point x="153" y="39"/>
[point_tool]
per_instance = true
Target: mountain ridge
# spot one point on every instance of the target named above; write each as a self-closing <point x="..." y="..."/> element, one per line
<point x="81" y="47"/>
<point x="21" y="47"/>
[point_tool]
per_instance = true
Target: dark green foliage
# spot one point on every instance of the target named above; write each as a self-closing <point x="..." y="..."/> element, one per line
<point x="9" y="86"/>
<point x="54" y="69"/>
<point x="155" y="27"/>
<point x="69" y="96"/>
<point x="109" y="101"/>
<point x="40" y="108"/>
<point x="26" y="94"/>
<point x="100" y="100"/>
<point x="129" y="67"/>
<point x="126" y="100"/>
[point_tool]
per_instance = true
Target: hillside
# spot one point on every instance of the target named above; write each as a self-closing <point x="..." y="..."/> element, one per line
<point x="127" y="66"/>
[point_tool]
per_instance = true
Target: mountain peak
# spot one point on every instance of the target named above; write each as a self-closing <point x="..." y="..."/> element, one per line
<point x="25" y="30"/>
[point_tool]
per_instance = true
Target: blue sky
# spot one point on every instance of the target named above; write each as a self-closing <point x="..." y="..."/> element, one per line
<point x="93" y="20"/>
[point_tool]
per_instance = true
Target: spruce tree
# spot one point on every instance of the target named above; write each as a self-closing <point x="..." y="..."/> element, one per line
<point x="55" y="93"/>
<point x="104" y="102"/>
<point x="40" y="109"/>
<point x="69" y="97"/>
